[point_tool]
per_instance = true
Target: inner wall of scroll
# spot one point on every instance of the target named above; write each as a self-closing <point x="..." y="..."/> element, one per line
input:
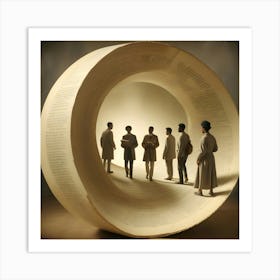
<point x="140" y="105"/>
<point x="193" y="93"/>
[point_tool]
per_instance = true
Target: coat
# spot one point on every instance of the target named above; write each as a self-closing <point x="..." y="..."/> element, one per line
<point x="183" y="145"/>
<point x="107" y="144"/>
<point x="150" y="143"/>
<point x="169" y="149"/>
<point x="206" y="176"/>
<point x="129" y="143"/>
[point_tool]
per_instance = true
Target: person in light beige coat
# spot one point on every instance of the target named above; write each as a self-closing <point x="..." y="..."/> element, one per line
<point x="206" y="177"/>
<point x="169" y="153"/>
<point x="108" y="146"/>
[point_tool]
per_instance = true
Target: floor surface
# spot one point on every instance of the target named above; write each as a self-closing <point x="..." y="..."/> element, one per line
<point x="58" y="223"/>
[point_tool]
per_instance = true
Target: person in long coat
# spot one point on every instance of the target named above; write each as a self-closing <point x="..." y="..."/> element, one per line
<point x="108" y="146"/>
<point x="182" y="156"/>
<point x="150" y="143"/>
<point x="169" y="152"/>
<point x="206" y="177"/>
<point x="129" y="143"/>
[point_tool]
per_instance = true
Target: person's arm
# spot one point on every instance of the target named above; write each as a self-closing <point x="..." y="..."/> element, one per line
<point x="182" y="147"/>
<point x="165" y="149"/>
<point x="135" y="143"/>
<point x="144" y="143"/>
<point x="124" y="142"/>
<point x="173" y="147"/>
<point x="204" y="150"/>
<point x="101" y="141"/>
<point x="112" y="140"/>
<point x="156" y="142"/>
<point x="215" y="149"/>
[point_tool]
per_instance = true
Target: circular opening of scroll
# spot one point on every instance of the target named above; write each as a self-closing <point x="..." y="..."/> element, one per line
<point x="143" y="208"/>
<point x="140" y="105"/>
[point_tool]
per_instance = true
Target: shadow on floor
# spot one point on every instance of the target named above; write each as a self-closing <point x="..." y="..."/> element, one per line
<point x="57" y="223"/>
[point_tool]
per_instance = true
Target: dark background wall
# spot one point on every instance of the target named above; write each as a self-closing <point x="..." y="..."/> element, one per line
<point x="222" y="57"/>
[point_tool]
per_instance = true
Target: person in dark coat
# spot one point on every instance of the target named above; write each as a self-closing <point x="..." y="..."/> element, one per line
<point x="129" y="143"/>
<point x="182" y="156"/>
<point x="206" y="177"/>
<point x="150" y="143"/>
<point x="108" y="146"/>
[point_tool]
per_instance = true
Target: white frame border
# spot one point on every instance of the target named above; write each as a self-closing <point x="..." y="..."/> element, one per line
<point x="243" y="35"/>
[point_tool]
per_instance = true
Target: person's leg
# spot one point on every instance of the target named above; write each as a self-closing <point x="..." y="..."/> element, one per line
<point x="169" y="169"/>
<point x="131" y="168"/>
<point x="126" y="167"/>
<point x="104" y="163"/>
<point x="180" y="171"/>
<point x="147" y="169"/>
<point x="197" y="183"/>
<point x="151" y="170"/>
<point x="185" y="170"/>
<point x="109" y="166"/>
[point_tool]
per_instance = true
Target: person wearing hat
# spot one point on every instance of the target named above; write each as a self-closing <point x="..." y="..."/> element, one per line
<point x="129" y="143"/>
<point x="169" y="152"/>
<point x="182" y="156"/>
<point x="206" y="177"/>
<point x="150" y="143"/>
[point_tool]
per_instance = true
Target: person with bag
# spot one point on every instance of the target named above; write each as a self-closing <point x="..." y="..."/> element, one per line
<point x="184" y="149"/>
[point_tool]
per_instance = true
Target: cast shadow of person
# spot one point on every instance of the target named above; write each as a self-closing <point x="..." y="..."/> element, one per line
<point x="223" y="180"/>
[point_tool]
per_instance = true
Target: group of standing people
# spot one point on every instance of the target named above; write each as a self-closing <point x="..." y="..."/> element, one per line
<point x="206" y="177"/>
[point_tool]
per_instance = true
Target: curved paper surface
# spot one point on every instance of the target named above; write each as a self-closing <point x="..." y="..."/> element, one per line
<point x="70" y="158"/>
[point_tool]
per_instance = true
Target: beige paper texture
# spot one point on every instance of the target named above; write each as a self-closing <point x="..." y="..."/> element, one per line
<point x="70" y="154"/>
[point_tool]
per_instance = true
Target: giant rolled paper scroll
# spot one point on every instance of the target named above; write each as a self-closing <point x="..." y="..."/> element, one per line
<point x="70" y="147"/>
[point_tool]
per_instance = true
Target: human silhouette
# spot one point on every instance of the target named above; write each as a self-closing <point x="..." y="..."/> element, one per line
<point x="129" y="143"/>
<point x="150" y="143"/>
<point x="108" y="146"/>
<point x="206" y="177"/>
<point x="169" y="153"/>
<point x="182" y="156"/>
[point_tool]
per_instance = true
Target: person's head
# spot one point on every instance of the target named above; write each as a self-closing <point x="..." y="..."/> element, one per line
<point x="128" y="128"/>
<point x="168" y="131"/>
<point x="205" y="126"/>
<point x="181" y="127"/>
<point x="151" y="129"/>
<point x="110" y="125"/>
